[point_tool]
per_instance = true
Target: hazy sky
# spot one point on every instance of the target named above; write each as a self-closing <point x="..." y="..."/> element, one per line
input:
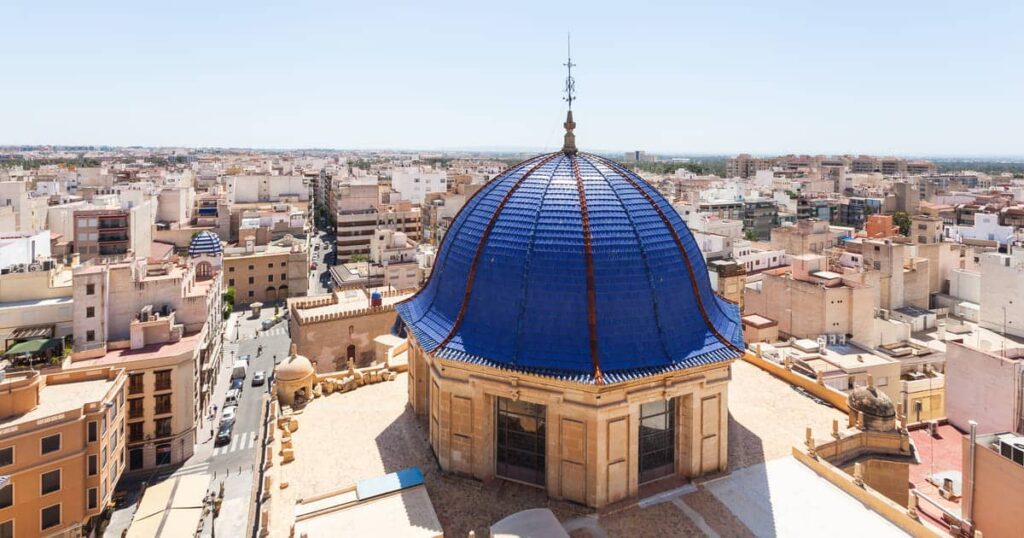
<point x="896" y="77"/>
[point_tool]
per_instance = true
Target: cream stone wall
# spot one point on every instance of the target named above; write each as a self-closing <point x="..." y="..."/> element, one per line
<point x="592" y="452"/>
<point x="326" y="342"/>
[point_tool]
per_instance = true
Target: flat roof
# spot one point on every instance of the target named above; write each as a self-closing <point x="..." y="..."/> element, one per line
<point x="152" y="351"/>
<point x="937" y="453"/>
<point x="62" y="397"/>
<point x="784" y="497"/>
<point x="173" y="507"/>
<point x="405" y="513"/>
<point x="758" y="321"/>
<point x="38" y="302"/>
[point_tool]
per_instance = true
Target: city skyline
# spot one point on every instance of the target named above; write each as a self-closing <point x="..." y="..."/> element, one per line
<point x="790" y="78"/>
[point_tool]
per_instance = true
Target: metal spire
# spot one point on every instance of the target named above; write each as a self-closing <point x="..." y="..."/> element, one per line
<point x="569" y="146"/>
<point x="570" y="83"/>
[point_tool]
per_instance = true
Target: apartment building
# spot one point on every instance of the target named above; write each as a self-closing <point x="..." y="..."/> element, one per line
<point x="393" y="259"/>
<point x="62" y="450"/>
<point x="35" y="304"/>
<point x="267" y="188"/>
<point x="810" y="236"/>
<point x="415" y="183"/>
<point x="854" y="211"/>
<point x="744" y="166"/>
<point x="900" y="278"/>
<point x="996" y="476"/>
<point x="23" y="248"/>
<point x="809" y="301"/>
<point x="1002" y="292"/>
<point x="985" y="385"/>
<point x="267" y="272"/>
<point x="760" y="217"/>
<point x="113" y="231"/>
<point x="983" y="229"/>
<point x="160" y="321"/>
<point x="355" y="228"/>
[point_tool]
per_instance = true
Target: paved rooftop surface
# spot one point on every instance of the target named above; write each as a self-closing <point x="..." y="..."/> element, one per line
<point x="343" y="438"/>
<point x="55" y="399"/>
<point x="767" y="417"/>
<point x="942" y="452"/>
<point x="786" y="498"/>
<point x="187" y="343"/>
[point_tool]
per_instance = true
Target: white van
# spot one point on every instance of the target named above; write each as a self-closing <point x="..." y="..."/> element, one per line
<point x="238" y="371"/>
<point x="231" y="398"/>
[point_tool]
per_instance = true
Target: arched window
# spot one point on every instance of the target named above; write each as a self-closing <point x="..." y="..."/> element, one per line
<point x="351" y="354"/>
<point x="204" y="270"/>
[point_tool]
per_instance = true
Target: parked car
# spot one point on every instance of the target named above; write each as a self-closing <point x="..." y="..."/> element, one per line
<point x="245" y="357"/>
<point x="232" y="397"/>
<point x="258" y="378"/>
<point x="228" y="415"/>
<point x="237" y="384"/>
<point x="224" y="434"/>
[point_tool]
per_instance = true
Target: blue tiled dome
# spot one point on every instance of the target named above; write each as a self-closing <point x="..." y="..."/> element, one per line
<point x="205" y="242"/>
<point x="570" y="265"/>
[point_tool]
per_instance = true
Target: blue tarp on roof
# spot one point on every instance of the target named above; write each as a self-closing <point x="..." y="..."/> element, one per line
<point x="511" y="287"/>
<point x="389" y="483"/>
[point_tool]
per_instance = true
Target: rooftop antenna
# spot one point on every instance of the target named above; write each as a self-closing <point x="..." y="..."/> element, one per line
<point x="569" y="146"/>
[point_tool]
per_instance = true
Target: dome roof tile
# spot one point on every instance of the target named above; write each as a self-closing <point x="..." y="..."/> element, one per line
<point x="571" y="265"/>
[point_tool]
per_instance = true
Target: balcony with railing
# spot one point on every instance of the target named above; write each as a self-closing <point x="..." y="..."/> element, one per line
<point x="135" y="409"/>
<point x="163" y="428"/>
<point x="112" y="223"/>
<point x="163" y="408"/>
<point x="163" y="382"/>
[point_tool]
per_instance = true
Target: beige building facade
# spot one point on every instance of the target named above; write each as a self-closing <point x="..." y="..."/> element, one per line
<point x="332" y="329"/>
<point x="36" y="299"/>
<point x="62" y="445"/>
<point x="266" y="273"/>
<point x="161" y="322"/>
<point x="588" y="435"/>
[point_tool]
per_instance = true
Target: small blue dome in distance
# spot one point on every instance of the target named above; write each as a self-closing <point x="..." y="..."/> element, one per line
<point x="569" y="265"/>
<point x="205" y="242"/>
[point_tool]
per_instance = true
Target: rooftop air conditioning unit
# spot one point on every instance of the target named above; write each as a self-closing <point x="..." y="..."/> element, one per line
<point x="35" y="267"/>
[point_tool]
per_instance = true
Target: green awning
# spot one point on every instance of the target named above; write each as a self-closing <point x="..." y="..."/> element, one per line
<point x="35" y="346"/>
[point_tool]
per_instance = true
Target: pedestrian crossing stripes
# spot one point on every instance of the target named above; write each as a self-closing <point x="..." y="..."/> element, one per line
<point x="279" y="329"/>
<point x="193" y="469"/>
<point x="239" y="441"/>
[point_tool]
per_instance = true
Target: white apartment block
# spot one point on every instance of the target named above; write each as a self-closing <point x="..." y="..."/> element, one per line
<point x="755" y="259"/>
<point x="1002" y="292"/>
<point x="986" y="228"/>
<point x="414" y="183"/>
<point x="266" y="188"/>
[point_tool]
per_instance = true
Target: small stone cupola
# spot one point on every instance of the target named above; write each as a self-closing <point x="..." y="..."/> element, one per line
<point x="878" y="410"/>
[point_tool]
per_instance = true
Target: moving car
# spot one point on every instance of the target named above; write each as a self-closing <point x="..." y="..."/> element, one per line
<point x="228" y="415"/>
<point x="245" y="357"/>
<point x="224" y="434"/>
<point x="258" y="378"/>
